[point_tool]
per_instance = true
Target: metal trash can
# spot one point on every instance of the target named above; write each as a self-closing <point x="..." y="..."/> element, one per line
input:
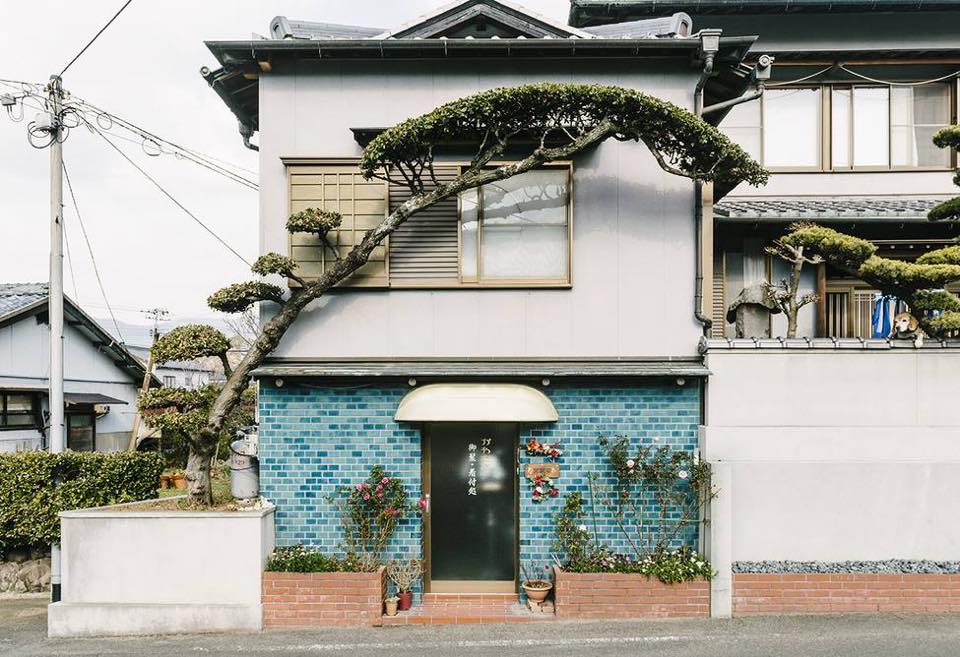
<point x="244" y="469"/>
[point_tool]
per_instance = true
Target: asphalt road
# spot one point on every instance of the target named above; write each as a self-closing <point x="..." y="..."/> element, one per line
<point x="22" y="633"/>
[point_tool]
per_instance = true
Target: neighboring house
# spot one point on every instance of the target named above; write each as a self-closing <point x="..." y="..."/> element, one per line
<point x="101" y="377"/>
<point x="487" y="322"/>
<point x="188" y="374"/>
<point x="845" y="126"/>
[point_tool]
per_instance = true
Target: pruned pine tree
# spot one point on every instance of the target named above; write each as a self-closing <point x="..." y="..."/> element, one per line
<point x="536" y="124"/>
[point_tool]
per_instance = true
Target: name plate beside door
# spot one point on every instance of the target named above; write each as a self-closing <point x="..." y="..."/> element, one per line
<point x="548" y="470"/>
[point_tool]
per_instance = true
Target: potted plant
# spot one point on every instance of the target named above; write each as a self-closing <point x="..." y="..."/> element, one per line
<point x="404" y="573"/>
<point x="391" y="604"/>
<point x="536" y="588"/>
<point x="178" y="480"/>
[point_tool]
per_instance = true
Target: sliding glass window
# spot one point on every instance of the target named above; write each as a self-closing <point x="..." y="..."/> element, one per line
<point x="517" y="230"/>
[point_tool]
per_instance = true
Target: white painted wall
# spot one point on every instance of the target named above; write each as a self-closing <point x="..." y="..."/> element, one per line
<point x="25" y="363"/>
<point x="832" y="456"/>
<point x="133" y="572"/>
<point x="633" y="224"/>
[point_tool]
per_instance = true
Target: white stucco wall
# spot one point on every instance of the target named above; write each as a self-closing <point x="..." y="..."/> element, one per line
<point x="25" y="363"/>
<point x="133" y="572"/>
<point x="633" y="224"/>
<point x="832" y="455"/>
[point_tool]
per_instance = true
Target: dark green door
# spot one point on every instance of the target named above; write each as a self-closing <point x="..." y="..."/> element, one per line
<point x="473" y="503"/>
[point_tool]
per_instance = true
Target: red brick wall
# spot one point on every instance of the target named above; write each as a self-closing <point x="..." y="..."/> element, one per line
<point x="815" y="593"/>
<point x="608" y="595"/>
<point x="323" y="599"/>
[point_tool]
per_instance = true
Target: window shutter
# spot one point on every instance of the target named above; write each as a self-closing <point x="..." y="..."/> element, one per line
<point x="719" y="294"/>
<point x="363" y="204"/>
<point x="424" y="250"/>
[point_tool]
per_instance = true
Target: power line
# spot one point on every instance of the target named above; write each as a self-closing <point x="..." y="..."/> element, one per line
<point x="73" y="276"/>
<point x="146" y="138"/>
<point x="96" y="36"/>
<point x="93" y="259"/>
<point x="168" y="194"/>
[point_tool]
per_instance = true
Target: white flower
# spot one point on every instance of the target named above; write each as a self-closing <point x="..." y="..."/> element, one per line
<point x="683" y="474"/>
<point x="630" y="463"/>
<point x="582" y="528"/>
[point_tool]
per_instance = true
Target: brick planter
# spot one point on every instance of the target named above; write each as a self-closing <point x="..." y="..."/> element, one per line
<point x="610" y="595"/>
<point x="323" y="599"/>
<point x="816" y="593"/>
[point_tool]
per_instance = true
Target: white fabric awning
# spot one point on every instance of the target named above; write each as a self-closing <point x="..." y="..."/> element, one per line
<point x="476" y="402"/>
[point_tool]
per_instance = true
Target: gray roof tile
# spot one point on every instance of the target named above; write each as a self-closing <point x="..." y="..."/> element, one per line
<point x="14" y="297"/>
<point x="825" y="209"/>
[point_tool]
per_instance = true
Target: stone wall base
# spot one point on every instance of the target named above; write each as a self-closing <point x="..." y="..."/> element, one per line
<point x="323" y="599"/>
<point x="79" y="619"/>
<point x="609" y="595"/>
<point x="844" y="593"/>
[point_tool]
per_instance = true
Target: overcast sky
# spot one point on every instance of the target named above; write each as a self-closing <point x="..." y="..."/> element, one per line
<point x="145" y="68"/>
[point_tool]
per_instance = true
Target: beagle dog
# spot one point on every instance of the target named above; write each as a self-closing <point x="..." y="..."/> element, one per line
<point x="906" y="327"/>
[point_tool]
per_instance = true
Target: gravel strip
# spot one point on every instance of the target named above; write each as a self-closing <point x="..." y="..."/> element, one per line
<point x="889" y="566"/>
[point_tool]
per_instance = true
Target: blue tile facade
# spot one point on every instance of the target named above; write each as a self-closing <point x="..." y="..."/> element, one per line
<point x="314" y="439"/>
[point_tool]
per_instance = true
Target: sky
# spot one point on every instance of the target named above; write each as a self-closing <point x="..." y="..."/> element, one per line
<point x="145" y="68"/>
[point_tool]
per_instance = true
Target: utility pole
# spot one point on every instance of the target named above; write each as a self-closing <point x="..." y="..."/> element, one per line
<point x="157" y="315"/>
<point x="55" y="300"/>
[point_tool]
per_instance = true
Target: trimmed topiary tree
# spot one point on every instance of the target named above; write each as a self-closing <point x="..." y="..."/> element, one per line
<point x="539" y="123"/>
<point x="919" y="284"/>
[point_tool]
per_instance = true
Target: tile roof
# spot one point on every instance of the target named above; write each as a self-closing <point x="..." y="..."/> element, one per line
<point x="825" y="209"/>
<point x="831" y="344"/>
<point x="14" y="297"/>
<point x="282" y="27"/>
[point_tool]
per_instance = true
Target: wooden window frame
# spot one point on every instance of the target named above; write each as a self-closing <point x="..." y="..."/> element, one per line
<point x="33" y="413"/>
<point x="561" y="283"/>
<point x="292" y="163"/>
<point x="826" y="132"/>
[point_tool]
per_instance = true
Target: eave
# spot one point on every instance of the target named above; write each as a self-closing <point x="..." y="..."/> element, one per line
<point x="243" y="62"/>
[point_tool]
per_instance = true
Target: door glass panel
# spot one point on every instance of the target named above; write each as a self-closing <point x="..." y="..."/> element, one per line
<point x="80" y="433"/>
<point x="472" y="501"/>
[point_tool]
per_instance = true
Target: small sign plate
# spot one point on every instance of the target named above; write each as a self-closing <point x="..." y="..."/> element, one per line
<point x="548" y="470"/>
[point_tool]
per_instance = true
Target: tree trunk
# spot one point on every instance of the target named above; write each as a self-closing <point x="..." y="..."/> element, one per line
<point x="203" y="447"/>
<point x="199" y="464"/>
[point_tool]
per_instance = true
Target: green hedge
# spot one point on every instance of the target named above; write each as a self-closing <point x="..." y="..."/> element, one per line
<point x="29" y="502"/>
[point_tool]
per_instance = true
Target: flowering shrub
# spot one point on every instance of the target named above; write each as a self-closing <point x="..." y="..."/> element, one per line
<point x="673" y="567"/>
<point x="369" y="513"/>
<point x="535" y="448"/>
<point x="543" y="488"/>
<point x="657" y="492"/>
<point x="300" y="559"/>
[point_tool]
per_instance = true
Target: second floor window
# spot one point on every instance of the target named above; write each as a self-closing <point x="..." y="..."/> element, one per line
<point x="844" y="127"/>
<point x="516" y="229"/>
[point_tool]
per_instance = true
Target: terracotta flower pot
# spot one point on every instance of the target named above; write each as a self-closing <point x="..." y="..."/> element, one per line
<point x="391" y="606"/>
<point x="537" y="590"/>
<point x="406" y="600"/>
<point x="164" y="481"/>
<point x="179" y="481"/>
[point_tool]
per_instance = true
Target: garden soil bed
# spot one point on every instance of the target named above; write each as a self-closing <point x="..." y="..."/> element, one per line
<point x="614" y="595"/>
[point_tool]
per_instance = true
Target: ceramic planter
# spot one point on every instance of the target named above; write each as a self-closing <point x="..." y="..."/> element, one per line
<point x="391" y="605"/>
<point x="406" y="600"/>
<point x="537" y="590"/>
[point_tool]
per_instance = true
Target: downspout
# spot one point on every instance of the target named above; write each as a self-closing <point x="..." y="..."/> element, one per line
<point x="709" y="46"/>
<point x="246" y="132"/>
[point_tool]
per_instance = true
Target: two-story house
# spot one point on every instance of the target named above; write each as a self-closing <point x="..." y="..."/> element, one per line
<point x="558" y="305"/>
<point x="844" y="126"/>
